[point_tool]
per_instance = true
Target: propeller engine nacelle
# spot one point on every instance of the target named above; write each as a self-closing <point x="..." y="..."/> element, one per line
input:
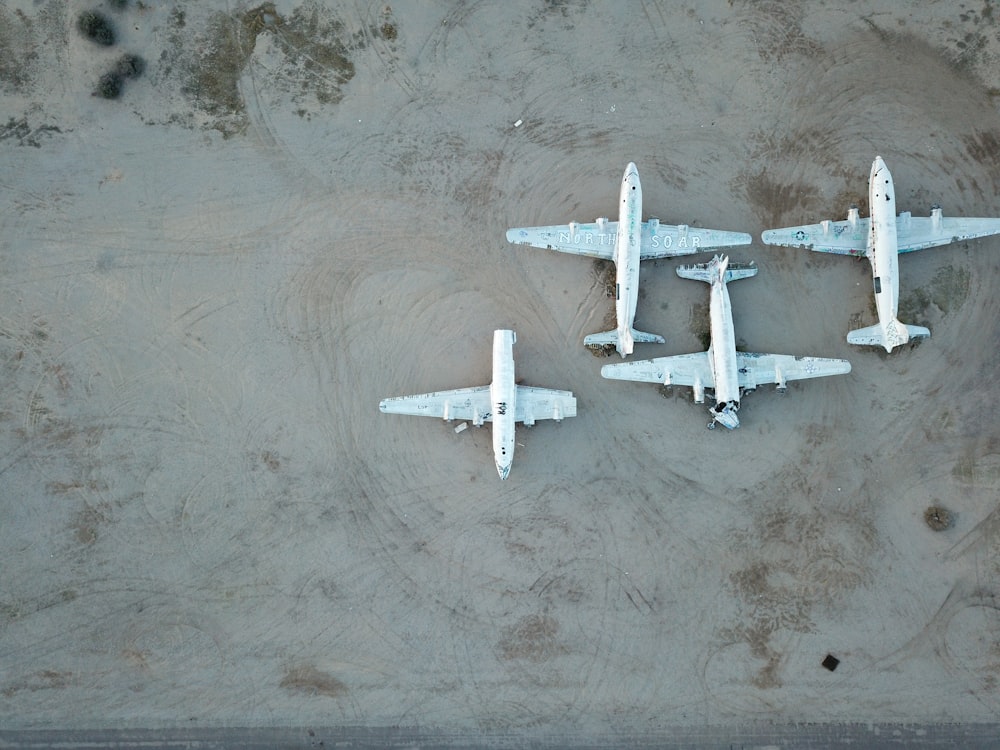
<point x="936" y="216"/>
<point x="853" y="216"/>
<point x="699" y="391"/>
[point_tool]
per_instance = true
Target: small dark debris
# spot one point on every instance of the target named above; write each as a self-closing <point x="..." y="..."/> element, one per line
<point x="118" y="4"/>
<point x="109" y="86"/>
<point x="96" y="28"/>
<point x="831" y="662"/>
<point x="938" y="518"/>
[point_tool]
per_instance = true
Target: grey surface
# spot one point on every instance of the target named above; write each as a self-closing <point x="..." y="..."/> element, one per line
<point x="765" y="737"/>
<point x="206" y="521"/>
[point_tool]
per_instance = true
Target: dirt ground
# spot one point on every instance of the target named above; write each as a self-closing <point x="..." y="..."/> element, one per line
<point x="297" y="209"/>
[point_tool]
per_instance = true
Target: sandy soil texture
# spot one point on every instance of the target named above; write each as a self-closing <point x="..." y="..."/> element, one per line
<point x="292" y="210"/>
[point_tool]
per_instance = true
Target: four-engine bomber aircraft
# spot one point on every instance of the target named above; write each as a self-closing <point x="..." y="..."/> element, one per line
<point x="502" y="402"/>
<point x="881" y="238"/>
<point x="728" y="372"/>
<point x="626" y="242"/>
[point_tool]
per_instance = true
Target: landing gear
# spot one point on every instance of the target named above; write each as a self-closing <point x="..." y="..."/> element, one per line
<point x="711" y="425"/>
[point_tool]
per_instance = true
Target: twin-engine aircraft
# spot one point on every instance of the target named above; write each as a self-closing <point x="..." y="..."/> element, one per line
<point x="626" y="242"/>
<point x="881" y="238"/>
<point x="502" y="402"/>
<point x="727" y="372"/>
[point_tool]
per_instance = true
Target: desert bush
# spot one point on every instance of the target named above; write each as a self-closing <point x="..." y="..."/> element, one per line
<point x="96" y="28"/>
<point x="109" y="86"/>
<point x="130" y="66"/>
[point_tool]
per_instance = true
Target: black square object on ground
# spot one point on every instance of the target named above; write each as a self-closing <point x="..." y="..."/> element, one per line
<point x="831" y="662"/>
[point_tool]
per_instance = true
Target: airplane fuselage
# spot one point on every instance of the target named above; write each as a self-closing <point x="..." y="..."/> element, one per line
<point x="503" y="393"/>
<point x="883" y="249"/>
<point x="627" y="247"/>
<point x="722" y="352"/>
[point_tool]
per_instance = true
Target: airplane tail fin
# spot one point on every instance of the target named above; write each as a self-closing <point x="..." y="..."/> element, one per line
<point x="892" y="335"/>
<point x="623" y="339"/>
<point x="717" y="268"/>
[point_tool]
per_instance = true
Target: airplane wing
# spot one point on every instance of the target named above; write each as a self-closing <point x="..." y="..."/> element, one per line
<point x="848" y="237"/>
<point x="543" y="403"/>
<point x="919" y="232"/>
<point x="760" y="369"/>
<point x="463" y="403"/>
<point x="596" y="240"/>
<point x="684" y="369"/>
<point x="668" y="240"/>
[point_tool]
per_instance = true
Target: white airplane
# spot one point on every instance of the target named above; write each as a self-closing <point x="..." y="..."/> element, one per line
<point x="881" y="238"/>
<point x="502" y="402"/>
<point x="626" y="242"/>
<point x="728" y="372"/>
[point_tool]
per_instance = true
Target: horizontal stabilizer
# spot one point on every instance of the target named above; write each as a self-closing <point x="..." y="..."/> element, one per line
<point x="611" y="337"/>
<point x="870" y="336"/>
<point x="740" y="271"/>
<point x="600" y="339"/>
<point x="647" y="338"/>
<point x="893" y="335"/>
<point x="709" y="272"/>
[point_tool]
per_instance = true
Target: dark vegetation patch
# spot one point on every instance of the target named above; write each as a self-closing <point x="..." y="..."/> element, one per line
<point x="315" y="45"/>
<point x="109" y="86"/>
<point x="96" y="27"/>
<point x="130" y="66"/>
<point x="26" y="134"/>
<point x="17" y="50"/>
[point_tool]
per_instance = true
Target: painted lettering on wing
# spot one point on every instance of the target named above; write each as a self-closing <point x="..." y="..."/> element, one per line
<point x="608" y="240"/>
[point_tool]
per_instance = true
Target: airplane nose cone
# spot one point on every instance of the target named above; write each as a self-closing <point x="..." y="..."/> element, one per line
<point x="503" y="471"/>
<point x="877" y="166"/>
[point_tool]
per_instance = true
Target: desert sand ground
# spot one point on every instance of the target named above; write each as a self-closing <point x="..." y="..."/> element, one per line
<point x="298" y="209"/>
